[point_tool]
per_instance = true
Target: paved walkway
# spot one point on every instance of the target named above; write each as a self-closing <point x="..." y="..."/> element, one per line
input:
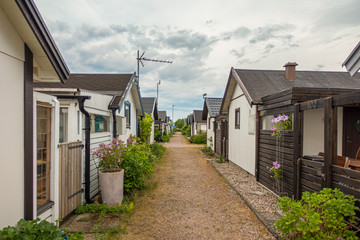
<point x="191" y="201"/>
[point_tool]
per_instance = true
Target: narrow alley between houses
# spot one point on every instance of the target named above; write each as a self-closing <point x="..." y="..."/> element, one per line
<point x="191" y="201"/>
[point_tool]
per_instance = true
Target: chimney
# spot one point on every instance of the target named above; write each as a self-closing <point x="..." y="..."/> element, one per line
<point x="290" y="71"/>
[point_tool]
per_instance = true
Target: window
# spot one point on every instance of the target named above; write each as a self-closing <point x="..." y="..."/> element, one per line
<point x="237" y="118"/>
<point x="128" y="114"/>
<point x="99" y="123"/>
<point x="209" y="123"/>
<point x="43" y="151"/>
<point x="63" y="125"/>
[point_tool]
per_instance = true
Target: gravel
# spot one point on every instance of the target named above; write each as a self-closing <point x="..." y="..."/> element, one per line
<point x="259" y="198"/>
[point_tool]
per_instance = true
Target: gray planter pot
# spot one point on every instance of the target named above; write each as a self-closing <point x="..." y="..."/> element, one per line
<point x="112" y="187"/>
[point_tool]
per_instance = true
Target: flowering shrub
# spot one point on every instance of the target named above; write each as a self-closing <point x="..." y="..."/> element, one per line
<point x="282" y="122"/>
<point x="110" y="155"/>
<point x="276" y="170"/>
<point x="325" y="215"/>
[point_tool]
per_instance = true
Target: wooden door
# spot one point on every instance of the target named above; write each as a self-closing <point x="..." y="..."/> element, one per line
<point x="351" y="131"/>
<point x="224" y="138"/>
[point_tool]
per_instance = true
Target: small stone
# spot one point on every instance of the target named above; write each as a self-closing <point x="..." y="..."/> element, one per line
<point x="257" y="193"/>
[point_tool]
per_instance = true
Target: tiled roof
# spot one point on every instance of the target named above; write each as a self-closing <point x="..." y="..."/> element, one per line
<point x="213" y="106"/>
<point x="260" y="83"/>
<point x="106" y="83"/>
<point x="148" y="104"/>
<point x="198" y="116"/>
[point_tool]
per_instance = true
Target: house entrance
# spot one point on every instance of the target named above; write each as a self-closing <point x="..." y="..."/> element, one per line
<point x="351" y="129"/>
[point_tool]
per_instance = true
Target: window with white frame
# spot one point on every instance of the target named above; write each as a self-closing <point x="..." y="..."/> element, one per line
<point x="63" y="125"/>
<point x="43" y="152"/>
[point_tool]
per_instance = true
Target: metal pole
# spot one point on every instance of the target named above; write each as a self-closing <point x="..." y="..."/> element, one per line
<point x="173" y="112"/>
<point x="157" y="90"/>
<point x="138" y="61"/>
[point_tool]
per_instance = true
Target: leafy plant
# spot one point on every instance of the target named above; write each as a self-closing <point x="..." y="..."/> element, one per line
<point x="199" y="138"/>
<point x="185" y="130"/>
<point x="221" y="159"/>
<point x="157" y="135"/>
<point x="110" y="155"/>
<point x="281" y="122"/>
<point x="36" y="229"/>
<point x="104" y="208"/>
<point x="146" y="127"/>
<point x="165" y="138"/>
<point x="208" y="151"/>
<point x="157" y="150"/>
<point x="137" y="165"/>
<point x="325" y="215"/>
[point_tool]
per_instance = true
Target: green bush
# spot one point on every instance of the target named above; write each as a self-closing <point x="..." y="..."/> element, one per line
<point x="185" y="130"/>
<point x="146" y="128"/>
<point x="208" y="151"/>
<point x="157" y="150"/>
<point x="35" y="229"/>
<point x="165" y="138"/>
<point x="198" y="139"/>
<point x="157" y="135"/>
<point x="325" y="215"/>
<point x="137" y="166"/>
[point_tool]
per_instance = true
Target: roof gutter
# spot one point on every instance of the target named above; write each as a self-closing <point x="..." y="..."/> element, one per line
<point x="82" y="100"/>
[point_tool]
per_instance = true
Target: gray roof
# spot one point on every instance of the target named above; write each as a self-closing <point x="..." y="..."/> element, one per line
<point x="211" y="106"/>
<point x="260" y="83"/>
<point x="150" y="106"/>
<point x="111" y="84"/>
<point x="352" y="62"/>
<point x="198" y="116"/>
<point x="162" y="115"/>
<point x="100" y="82"/>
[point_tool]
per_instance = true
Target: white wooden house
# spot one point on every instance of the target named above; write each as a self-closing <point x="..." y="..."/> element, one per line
<point x="112" y="107"/>
<point x="150" y="107"/>
<point x="28" y="154"/>
<point x="198" y="124"/>
<point x="253" y="97"/>
<point x="211" y="110"/>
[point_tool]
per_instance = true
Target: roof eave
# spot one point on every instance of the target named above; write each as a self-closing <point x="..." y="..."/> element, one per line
<point x="352" y="62"/>
<point x="37" y="24"/>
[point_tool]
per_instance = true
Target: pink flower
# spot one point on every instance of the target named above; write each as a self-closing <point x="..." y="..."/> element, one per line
<point x="276" y="165"/>
<point x="273" y="128"/>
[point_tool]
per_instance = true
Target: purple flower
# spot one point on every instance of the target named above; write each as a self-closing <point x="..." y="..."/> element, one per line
<point x="273" y="128"/>
<point x="276" y="165"/>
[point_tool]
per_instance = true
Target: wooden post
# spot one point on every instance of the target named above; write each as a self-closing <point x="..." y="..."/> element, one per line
<point x="257" y="132"/>
<point x="296" y="135"/>
<point x="330" y="140"/>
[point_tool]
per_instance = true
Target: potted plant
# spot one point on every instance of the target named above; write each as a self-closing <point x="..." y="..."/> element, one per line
<point x="111" y="176"/>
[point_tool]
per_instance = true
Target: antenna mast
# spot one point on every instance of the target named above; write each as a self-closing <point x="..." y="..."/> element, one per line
<point x="141" y="58"/>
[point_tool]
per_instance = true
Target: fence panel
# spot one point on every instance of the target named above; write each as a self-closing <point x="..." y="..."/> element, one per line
<point x="70" y="187"/>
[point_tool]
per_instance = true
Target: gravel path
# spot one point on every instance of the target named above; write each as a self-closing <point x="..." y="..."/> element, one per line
<point x="191" y="201"/>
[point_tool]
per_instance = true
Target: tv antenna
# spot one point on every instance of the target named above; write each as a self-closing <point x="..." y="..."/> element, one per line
<point x="141" y="58"/>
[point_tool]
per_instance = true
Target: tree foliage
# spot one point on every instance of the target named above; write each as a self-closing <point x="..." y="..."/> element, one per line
<point x="146" y="127"/>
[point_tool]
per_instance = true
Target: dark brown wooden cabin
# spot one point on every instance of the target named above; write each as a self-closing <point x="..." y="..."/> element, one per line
<point x="302" y="174"/>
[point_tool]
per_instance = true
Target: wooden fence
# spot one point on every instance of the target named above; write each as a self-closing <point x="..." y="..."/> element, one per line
<point x="70" y="187"/>
<point x="267" y="155"/>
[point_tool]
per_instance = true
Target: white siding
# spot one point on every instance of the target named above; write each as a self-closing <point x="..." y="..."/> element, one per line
<point x="241" y="143"/>
<point x="152" y="133"/>
<point x="12" y="133"/>
<point x="313" y="140"/>
<point x="133" y="128"/>
<point x="210" y="132"/>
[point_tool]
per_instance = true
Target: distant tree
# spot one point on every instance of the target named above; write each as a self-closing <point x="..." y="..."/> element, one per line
<point x="180" y="123"/>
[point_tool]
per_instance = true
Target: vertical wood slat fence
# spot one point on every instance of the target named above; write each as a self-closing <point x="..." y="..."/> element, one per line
<point x="70" y="186"/>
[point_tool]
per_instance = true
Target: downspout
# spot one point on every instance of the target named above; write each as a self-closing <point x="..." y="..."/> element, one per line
<point x="113" y="110"/>
<point x="87" y="148"/>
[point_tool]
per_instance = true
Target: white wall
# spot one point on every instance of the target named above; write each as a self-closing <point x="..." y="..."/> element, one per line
<point x="210" y="132"/>
<point x="12" y="133"/>
<point x="241" y="143"/>
<point x="313" y="140"/>
<point x="152" y="133"/>
<point x="132" y="130"/>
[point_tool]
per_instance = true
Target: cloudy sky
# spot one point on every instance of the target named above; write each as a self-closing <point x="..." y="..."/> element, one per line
<point x="204" y="39"/>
